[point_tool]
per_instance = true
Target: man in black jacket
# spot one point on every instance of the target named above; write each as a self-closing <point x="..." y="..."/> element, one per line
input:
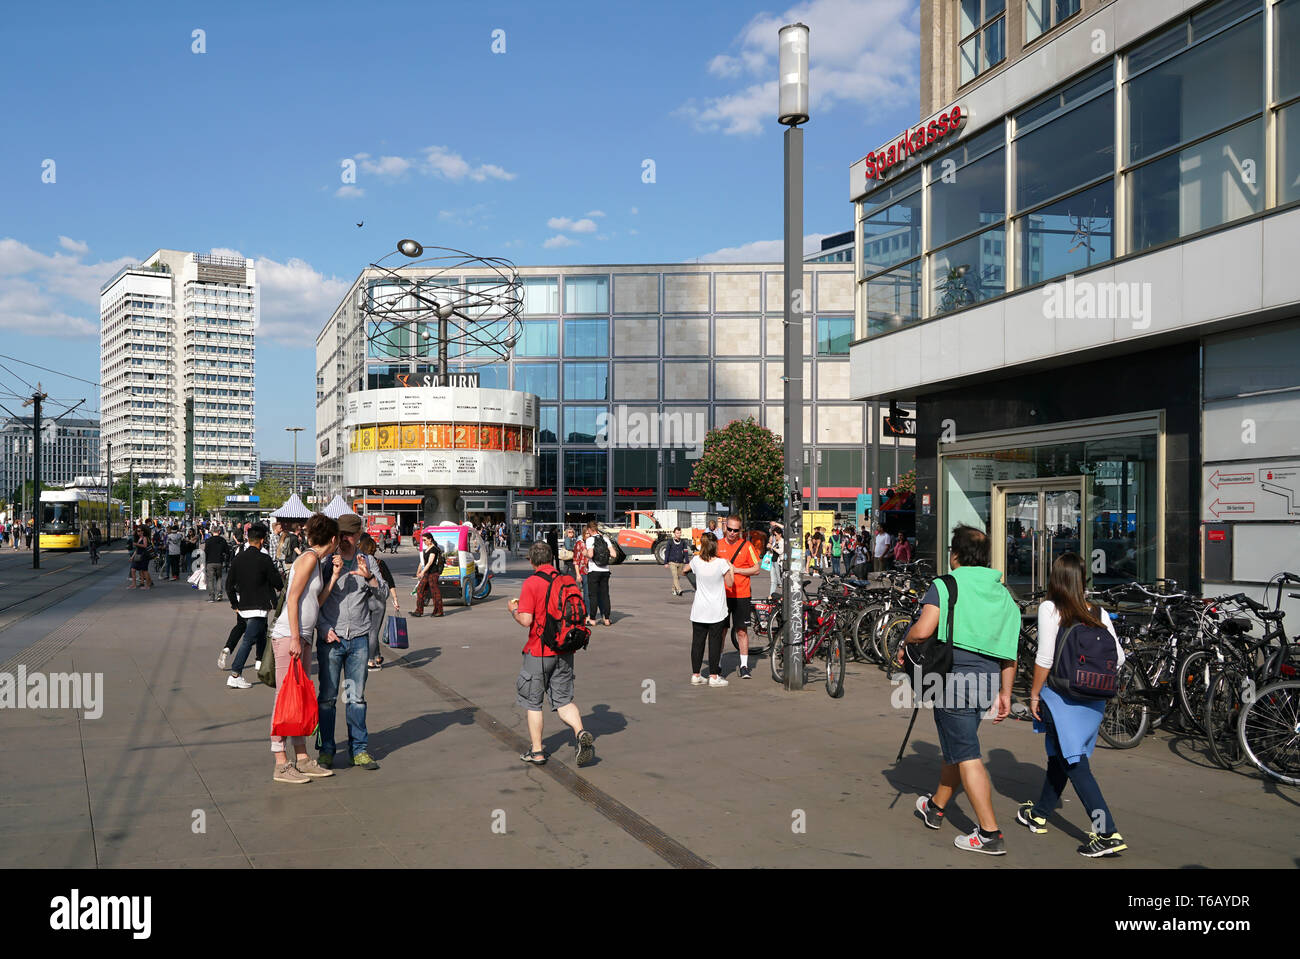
<point x="251" y="586"/>
<point x="215" y="552"/>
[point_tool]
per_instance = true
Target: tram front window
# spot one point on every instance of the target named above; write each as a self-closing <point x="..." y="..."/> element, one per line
<point x="59" y="518"/>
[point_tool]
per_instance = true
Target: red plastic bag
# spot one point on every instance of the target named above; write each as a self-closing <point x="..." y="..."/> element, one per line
<point x="295" y="704"/>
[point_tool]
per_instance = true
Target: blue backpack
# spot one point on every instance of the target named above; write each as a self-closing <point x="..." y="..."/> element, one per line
<point x="1085" y="664"/>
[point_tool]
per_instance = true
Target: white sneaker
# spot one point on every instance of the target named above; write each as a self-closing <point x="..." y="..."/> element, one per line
<point x="718" y="681"/>
<point x="238" y="682"/>
<point x="698" y="680"/>
<point x="221" y="660"/>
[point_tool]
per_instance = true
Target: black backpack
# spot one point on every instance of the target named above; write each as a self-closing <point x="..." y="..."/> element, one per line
<point x="1084" y="667"/>
<point x="600" y="551"/>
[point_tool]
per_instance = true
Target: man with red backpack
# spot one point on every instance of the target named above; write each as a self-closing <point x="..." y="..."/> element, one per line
<point x="551" y="608"/>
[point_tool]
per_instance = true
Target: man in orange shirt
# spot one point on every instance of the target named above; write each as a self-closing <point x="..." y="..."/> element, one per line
<point x="745" y="562"/>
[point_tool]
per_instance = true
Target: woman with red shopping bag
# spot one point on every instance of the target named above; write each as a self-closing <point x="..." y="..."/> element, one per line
<point x="294" y="632"/>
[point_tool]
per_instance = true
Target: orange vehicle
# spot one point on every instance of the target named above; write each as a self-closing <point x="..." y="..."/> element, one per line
<point x="651" y="532"/>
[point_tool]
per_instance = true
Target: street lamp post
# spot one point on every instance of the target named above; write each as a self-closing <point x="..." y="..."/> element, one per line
<point x="793" y="110"/>
<point x="295" y="430"/>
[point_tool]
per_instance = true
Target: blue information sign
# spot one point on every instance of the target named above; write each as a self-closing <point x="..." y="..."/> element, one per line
<point x="176" y="506"/>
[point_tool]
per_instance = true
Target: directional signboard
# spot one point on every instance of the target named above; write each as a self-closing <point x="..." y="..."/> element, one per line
<point x="1251" y="491"/>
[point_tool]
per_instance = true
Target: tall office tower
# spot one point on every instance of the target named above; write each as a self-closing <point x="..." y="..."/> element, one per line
<point x="179" y="327"/>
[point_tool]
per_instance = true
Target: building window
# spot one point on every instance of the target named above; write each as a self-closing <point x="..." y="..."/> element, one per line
<point x="834" y="335"/>
<point x="586" y="294"/>
<point x="547" y="430"/>
<point x="983" y="28"/>
<point x="1286" y="95"/>
<point x="585" y="468"/>
<point x="386" y="340"/>
<point x="968" y="194"/>
<point x="1044" y="15"/>
<point x="1067" y="235"/>
<point x="539" y="378"/>
<point x="492" y="376"/>
<point x="541" y="295"/>
<point x="586" y="337"/>
<point x="547" y="468"/>
<point x="586" y="381"/>
<point x="539" y="338"/>
<point x="582" y="424"/>
<point x="842" y="468"/>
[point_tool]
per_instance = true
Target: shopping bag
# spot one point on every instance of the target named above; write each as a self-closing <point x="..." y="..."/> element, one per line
<point x="395" y="636"/>
<point x="295" y="704"/>
<point x="267" y="673"/>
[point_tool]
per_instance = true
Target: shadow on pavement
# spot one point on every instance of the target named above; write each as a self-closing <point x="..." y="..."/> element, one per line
<point x="417" y="729"/>
<point x="417" y="658"/>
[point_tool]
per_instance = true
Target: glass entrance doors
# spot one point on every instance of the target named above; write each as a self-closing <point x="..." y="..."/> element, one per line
<point x="1036" y="521"/>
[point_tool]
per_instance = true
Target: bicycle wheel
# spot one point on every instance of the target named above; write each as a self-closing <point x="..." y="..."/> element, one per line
<point x="835" y="665"/>
<point x="1127" y="715"/>
<point x="864" y="629"/>
<point x="894" y="634"/>
<point x="1230" y="689"/>
<point x="1269" y="731"/>
<point x="777" y="657"/>
<point x="1028" y="651"/>
<point x="1193" y="681"/>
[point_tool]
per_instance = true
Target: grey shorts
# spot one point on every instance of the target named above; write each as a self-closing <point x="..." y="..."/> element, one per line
<point x="545" y="674"/>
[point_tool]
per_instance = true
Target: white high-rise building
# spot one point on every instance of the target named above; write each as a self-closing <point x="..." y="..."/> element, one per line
<point x="178" y="327"/>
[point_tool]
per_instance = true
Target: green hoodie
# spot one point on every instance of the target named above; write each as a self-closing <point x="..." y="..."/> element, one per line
<point x="987" y="619"/>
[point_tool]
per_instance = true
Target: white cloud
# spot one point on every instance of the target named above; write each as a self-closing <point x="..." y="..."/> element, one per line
<point x="52" y="294"/>
<point x="572" y="226"/>
<point x="75" y="246"/>
<point x="295" y="299"/>
<point x="440" y="161"/>
<point x="761" y="251"/>
<point x="559" y="240"/>
<point x="386" y="166"/>
<point x="594" y="213"/>
<point x="349" y="192"/>
<point x="863" y="52"/>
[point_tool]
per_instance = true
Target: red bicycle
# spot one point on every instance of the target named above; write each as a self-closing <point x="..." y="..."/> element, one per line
<point x="822" y="638"/>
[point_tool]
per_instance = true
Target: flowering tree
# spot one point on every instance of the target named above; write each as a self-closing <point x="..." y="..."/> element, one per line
<point x="907" y="482"/>
<point x="743" y="464"/>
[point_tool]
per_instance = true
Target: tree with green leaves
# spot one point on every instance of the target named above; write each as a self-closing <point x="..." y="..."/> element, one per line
<point x="270" y="492"/>
<point x="211" y="496"/>
<point x="743" y="465"/>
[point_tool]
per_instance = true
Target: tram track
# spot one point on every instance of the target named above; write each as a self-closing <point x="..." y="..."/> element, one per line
<point x="63" y="588"/>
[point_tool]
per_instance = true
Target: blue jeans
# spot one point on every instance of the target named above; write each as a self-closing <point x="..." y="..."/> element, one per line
<point x="254" y="635"/>
<point x="835" y="565"/>
<point x="348" y="658"/>
<point x="1085" y="784"/>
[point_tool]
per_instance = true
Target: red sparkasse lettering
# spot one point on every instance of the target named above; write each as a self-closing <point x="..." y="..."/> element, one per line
<point x="912" y="142"/>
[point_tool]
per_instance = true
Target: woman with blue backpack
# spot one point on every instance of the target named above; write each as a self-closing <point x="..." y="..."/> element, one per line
<point x="1078" y="653"/>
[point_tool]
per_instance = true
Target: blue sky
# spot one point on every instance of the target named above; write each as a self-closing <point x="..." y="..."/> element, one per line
<point x="535" y="154"/>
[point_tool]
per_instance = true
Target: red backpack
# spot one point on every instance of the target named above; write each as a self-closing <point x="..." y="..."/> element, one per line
<point x="566" y="628"/>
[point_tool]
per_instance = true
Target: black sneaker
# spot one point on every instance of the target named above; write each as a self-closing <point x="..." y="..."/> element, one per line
<point x="929" y="815"/>
<point x="586" y="748"/>
<point x="1098" y="846"/>
<point x="744" y="672"/>
<point x="1025" y="816"/>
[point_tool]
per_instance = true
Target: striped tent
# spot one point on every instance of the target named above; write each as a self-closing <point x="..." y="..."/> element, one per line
<point x="337" y="507"/>
<point x="293" y="508"/>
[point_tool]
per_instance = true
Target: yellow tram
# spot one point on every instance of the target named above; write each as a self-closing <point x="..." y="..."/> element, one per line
<point x="66" y="516"/>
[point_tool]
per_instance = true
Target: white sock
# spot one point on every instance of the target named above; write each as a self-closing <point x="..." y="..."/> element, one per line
<point x="744" y="660"/>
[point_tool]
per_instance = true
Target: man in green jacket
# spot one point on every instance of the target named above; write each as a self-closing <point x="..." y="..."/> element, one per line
<point x="985" y="638"/>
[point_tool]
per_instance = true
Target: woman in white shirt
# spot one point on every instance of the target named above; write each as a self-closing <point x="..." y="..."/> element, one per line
<point x="598" y="574"/>
<point x="1070" y="724"/>
<point x="709" y="610"/>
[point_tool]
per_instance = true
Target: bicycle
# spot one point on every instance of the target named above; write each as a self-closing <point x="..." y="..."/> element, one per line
<point x="820" y="637"/>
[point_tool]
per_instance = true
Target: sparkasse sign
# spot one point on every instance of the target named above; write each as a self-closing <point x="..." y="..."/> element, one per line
<point x="914" y="141"/>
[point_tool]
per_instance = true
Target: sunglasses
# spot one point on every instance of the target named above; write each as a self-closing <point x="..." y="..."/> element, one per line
<point x="733" y="529"/>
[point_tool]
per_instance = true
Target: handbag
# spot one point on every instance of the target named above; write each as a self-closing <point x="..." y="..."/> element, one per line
<point x="395" y="636"/>
<point x="933" y="657"/>
<point x="566" y="554"/>
<point x="267" y="672"/>
<point x="296" y="711"/>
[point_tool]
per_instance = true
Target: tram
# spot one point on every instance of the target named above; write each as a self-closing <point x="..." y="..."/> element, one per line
<point x="66" y="516"/>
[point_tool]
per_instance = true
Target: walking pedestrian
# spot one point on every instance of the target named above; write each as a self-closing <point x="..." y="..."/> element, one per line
<point x="599" y="553"/>
<point x="545" y="672"/>
<point x="836" y="549"/>
<point x="882" y="544"/>
<point x="342" y="642"/>
<point x="378" y="609"/>
<point x="216" y="551"/>
<point x="252" y="586"/>
<point x="745" y="562"/>
<point x="676" y="557"/>
<point x="776" y="558"/>
<point x="294" y="634"/>
<point x="566" y="546"/>
<point x="427" y="586"/>
<point x="709" y="610"/>
<point x="985" y="639"/>
<point x="1069" y="724"/>
<point x="94" y="538"/>
<point x="582" y="569"/>
<point x="141" y="553"/>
